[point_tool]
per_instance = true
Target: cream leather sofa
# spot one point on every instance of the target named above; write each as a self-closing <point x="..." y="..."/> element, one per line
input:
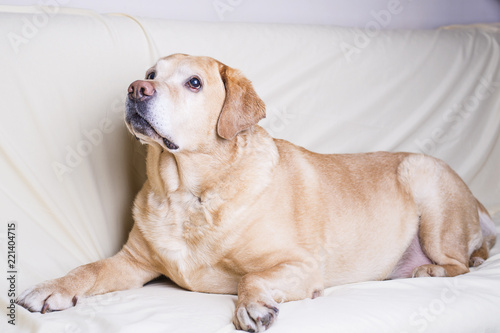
<point x="69" y="169"/>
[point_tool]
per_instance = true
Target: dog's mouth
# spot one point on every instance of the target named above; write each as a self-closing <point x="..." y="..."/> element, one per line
<point x="170" y="145"/>
<point x="140" y="125"/>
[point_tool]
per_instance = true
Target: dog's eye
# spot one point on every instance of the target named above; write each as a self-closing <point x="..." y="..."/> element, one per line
<point x="194" y="83"/>
<point x="151" y="76"/>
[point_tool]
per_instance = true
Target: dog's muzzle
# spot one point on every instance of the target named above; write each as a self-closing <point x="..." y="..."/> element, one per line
<point x="140" y="93"/>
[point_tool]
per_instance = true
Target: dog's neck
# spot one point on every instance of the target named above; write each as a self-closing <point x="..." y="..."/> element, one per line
<point x="201" y="173"/>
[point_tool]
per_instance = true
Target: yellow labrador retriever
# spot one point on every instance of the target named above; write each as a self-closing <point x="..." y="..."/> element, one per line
<point x="228" y="209"/>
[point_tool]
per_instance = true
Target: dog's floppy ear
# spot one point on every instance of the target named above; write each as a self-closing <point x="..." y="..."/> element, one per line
<point x="242" y="107"/>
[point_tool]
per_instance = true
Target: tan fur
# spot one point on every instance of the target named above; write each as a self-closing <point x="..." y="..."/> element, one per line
<point x="242" y="107"/>
<point x="235" y="211"/>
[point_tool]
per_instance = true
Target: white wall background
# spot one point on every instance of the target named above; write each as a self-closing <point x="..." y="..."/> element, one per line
<point x="407" y="14"/>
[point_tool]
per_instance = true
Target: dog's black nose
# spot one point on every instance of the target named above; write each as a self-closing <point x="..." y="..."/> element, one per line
<point x="140" y="90"/>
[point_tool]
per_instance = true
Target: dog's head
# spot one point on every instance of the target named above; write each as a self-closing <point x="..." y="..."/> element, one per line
<point x="189" y="103"/>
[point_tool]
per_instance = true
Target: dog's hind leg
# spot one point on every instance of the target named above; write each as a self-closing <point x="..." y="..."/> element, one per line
<point x="489" y="237"/>
<point x="449" y="228"/>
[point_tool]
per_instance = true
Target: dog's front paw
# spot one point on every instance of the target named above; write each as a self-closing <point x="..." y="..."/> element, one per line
<point x="47" y="296"/>
<point x="255" y="316"/>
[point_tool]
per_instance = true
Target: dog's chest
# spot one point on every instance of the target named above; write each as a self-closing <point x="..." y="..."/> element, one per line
<point x="185" y="234"/>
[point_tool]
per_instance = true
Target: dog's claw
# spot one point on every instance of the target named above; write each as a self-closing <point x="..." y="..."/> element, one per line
<point x="45" y="307"/>
<point x="269" y="318"/>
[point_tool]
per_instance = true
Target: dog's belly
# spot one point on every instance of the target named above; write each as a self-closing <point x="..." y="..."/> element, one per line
<point x="411" y="259"/>
<point x="369" y="259"/>
<point x="373" y="245"/>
